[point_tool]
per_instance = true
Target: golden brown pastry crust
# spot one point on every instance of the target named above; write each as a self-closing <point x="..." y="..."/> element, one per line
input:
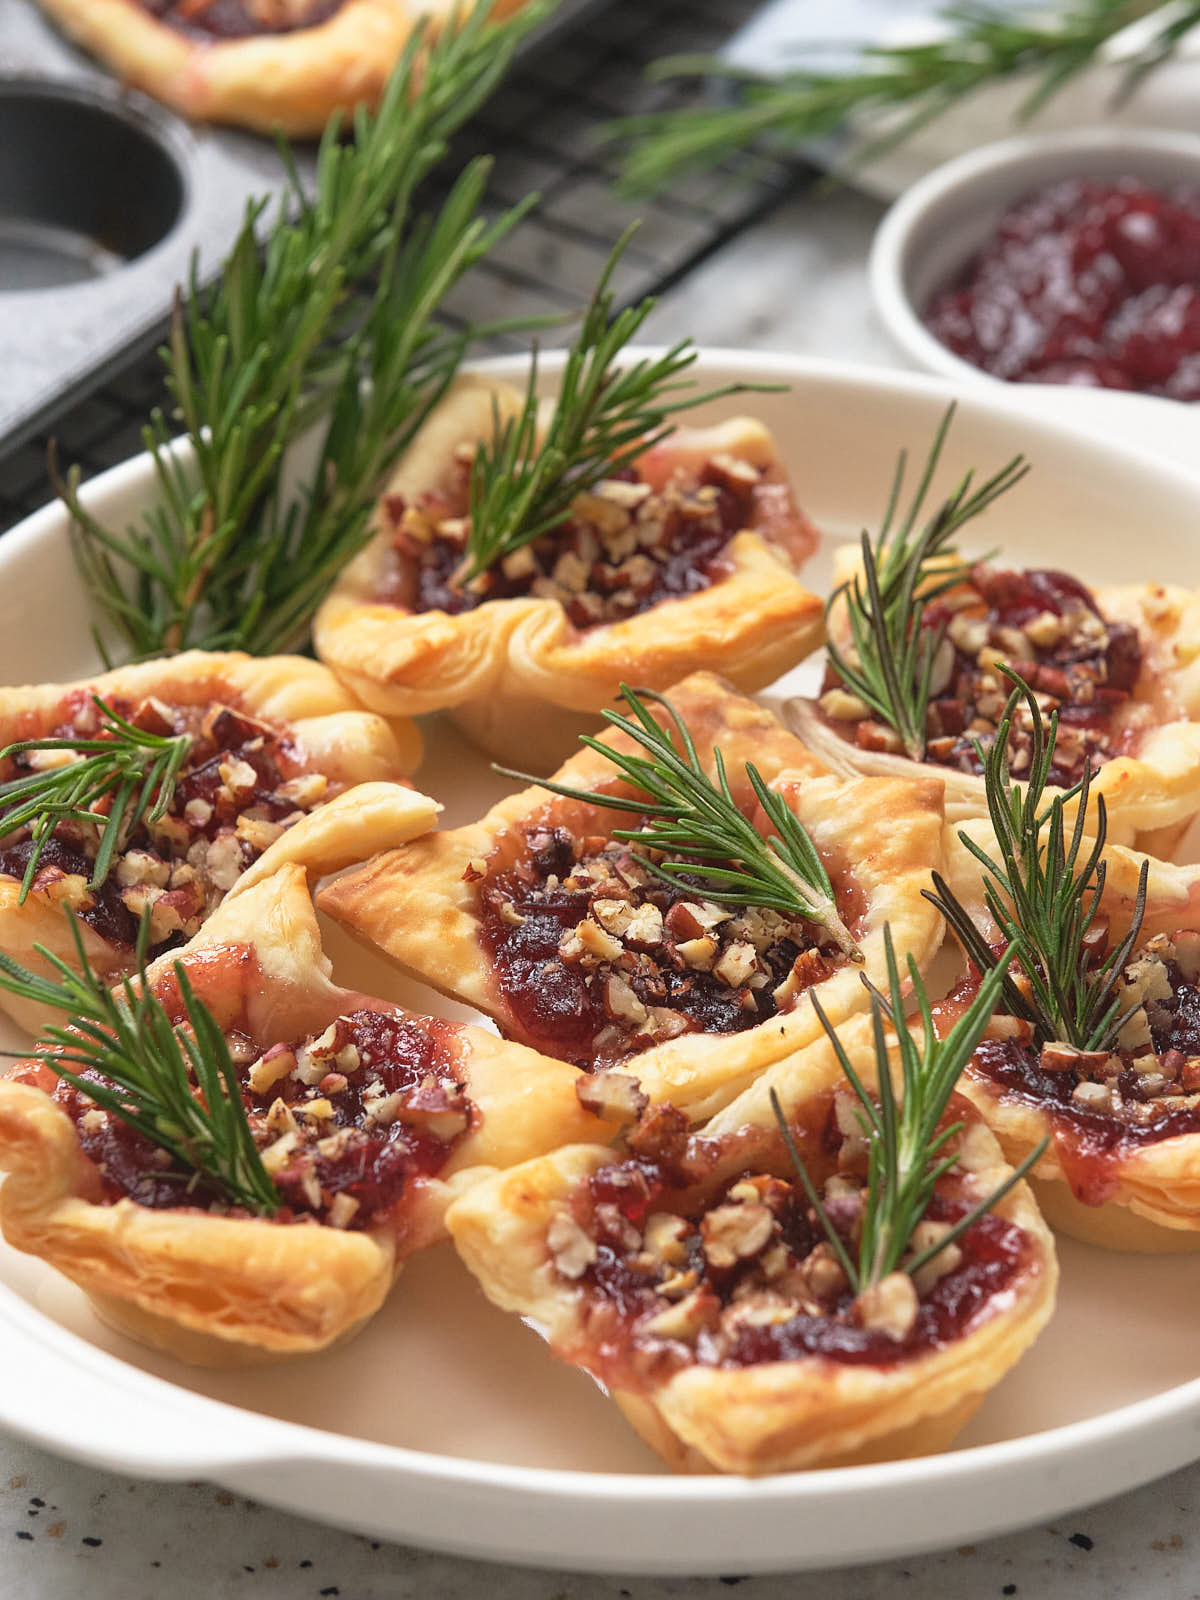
<point x="782" y="1415"/>
<point x="222" y="1290"/>
<point x="361" y="754"/>
<point x="414" y="905"/>
<point x="291" y="81"/>
<point x="1152" y="795"/>
<point x="1154" y="1204"/>
<point x="495" y="665"/>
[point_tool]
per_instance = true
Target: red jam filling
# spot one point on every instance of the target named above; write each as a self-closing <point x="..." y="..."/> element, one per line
<point x="241" y="19"/>
<point x="629" y="1208"/>
<point x="1046" y="626"/>
<point x="1084" y="282"/>
<point x="598" y="959"/>
<point x="348" y="1140"/>
<point x="1103" y="1104"/>
<point x="626" y="546"/>
<point x="240" y="786"/>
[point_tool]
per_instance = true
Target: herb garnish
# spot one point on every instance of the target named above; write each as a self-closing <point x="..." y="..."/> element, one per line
<point x="917" y="83"/>
<point x="686" y="811"/>
<point x="891" y="665"/>
<point x="126" y="1035"/>
<point x="231" y="556"/>
<point x="604" y="417"/>
<point x="1044" y="893"/>
<point x="905" y="1149"/>
<point x="121" y="777"/>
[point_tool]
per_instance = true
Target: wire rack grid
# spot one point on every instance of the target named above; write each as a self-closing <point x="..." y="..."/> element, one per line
<point x="545" y="130"/>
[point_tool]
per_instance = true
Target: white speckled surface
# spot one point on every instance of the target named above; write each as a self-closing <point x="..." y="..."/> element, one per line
<point x="796" y="282"/>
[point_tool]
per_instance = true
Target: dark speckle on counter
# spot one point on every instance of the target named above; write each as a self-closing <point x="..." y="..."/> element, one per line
<point x="1080" y="1541"/>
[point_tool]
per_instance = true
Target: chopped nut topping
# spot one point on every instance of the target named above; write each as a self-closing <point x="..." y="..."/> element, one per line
<point x="612" y="1095"/>
<point x="889" y="1306"/>
<point x="572" y="1250"/>
<point x="732" y="1232"/>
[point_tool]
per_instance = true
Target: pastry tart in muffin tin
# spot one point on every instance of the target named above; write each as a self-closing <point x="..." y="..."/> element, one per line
<point x="369" y="1118"/>
<point x="686" y="559"/>
<point x="687" y="1275"/>
<point x="538" y="917"/>
<point x="1120" y="665"/>
<point x="285" y="765"/>
<point x="262" y="64"/>
<point x="1123" y="1165"/>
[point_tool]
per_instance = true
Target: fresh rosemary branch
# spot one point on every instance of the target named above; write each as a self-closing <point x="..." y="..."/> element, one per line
<point x="906" y="1151"/>
<point x="522" y="485"/>
<point x="890" y="667"/>
<point x="109" y="783"/>
<point x="230" y="556"/>
<point x="687" y="812"/>
<point x="1044" y="893"/>
<point x="916" y="83"/>
<point x="126" y="1035"/>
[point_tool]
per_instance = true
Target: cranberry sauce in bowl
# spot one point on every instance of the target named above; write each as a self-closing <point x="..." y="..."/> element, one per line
<point x="345" y="1120"/>
<point x="1104" y="1103"/>
<point x="598" y="959"/>
<point x="242" y="784"/>
<point x="679" y="1270"/>
<point x="628" y="543"/>
<point x="1047" y="627"/>
<point x="1085" y="281"/>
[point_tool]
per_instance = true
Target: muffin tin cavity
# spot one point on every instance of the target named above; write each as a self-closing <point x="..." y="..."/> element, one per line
<point x="86" y="186"/>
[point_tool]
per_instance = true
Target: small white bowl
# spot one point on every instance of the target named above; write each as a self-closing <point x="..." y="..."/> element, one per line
<point x="933" y="230"/>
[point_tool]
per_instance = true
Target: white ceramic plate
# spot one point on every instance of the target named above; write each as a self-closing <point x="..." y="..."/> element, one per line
<point x="446" y="1424"/>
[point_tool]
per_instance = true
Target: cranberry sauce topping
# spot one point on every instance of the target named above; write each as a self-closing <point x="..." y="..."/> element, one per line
<point x="625" y="546"/>
<point x="598" y="959"/>
<point x="746" y="1275"/>
<point x="240" y="787"/>
<point x="344" y="1121"/>
<point x="1046" y="626"/>
<point x="241" y="19"/>
<point x="1104" y="1102"/>
<point x="1088" y="283"/>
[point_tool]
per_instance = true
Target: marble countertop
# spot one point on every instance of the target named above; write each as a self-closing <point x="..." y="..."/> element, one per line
<point x="795" y="282"/>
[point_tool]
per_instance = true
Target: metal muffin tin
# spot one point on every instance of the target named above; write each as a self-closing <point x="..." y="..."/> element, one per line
<point x="105" y="198"/>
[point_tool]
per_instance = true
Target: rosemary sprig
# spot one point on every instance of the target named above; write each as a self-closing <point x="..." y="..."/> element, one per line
<point x="117" y="779"/>
<point x="890" y="667"/>
<point x="984" y="44"/>
<point x="906" y="1151"/>
<point x="522" y="484"/>
<point x="230" y="556"/>
<point x="1044" y="893"/>
<point x="126" y="1035"/>
<point x="686" y="811"/>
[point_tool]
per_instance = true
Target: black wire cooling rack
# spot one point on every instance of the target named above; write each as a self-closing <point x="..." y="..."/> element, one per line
<point x="544" y="129"/>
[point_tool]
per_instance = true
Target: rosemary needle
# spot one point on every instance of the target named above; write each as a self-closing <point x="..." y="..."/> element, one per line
<point x="523" y="482"/>
<point x="891" y="663"/>
<point x="685" y="811"/>
<point x="150" y="1067"/>
<point x="109" y="783"/>
<point x="1044" y="893"/>
<point x="983" y="43"/>
<point x="230" y="555"/>
<point x="906" y="1148"/>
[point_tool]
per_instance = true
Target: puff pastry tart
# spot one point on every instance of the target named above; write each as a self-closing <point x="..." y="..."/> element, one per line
<point x="690" y="1278"/>
<point x="686" y="559"/>
<point x="284" y="765"/>
<point x="263" y="64"/>
<point x="368" y="1118"/>
<point x="1118" y="664"/>
<point x="537" y="916"/>
<point x="1123" y="1165"/>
